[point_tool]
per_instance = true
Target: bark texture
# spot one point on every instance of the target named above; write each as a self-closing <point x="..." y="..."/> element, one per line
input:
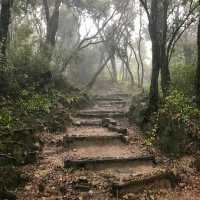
<point x="197" y="84"/>
<point x="158" y="34"/>
<point x="52" y="22"/>
<point x="5" y="17"/>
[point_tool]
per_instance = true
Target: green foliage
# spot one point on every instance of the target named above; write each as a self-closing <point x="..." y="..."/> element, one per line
<point x="6" y="119"/>
<point x="176" y="124"/>
<point x="38" y="112"/>
<point x="29" y="98"/>
<point x="28" y="62"/>
<point x="36" y="103"/>
<point x="183" y="78"/>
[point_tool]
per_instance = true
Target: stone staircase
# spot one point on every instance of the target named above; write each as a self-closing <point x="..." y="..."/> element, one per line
<point x="99" y="141"/>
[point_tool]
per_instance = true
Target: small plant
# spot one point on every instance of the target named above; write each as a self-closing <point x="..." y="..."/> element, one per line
<point x="6" y="119"/>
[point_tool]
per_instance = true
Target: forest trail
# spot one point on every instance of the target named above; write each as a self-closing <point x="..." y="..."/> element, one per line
<point x="101" y="157"/>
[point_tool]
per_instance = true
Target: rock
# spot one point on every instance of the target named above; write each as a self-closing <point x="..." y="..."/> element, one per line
<point x="182" y="185"/>
<point x="37" y="146"/>
<point x="76" y="123"/>
<point x="118" y="129"/>
<point x="28" y="187"/>
<point x="90" y="193"/>
<point x="74" y="150"/>
<point x="108" y="121"/>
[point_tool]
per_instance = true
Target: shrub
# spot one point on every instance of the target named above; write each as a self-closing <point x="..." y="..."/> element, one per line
<point x="183" y="78"/>
<point x="176" y="124"/>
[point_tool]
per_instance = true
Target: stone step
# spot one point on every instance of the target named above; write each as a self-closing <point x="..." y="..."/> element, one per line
<point x="108" y="99"/>
<point x="159" y="179"/>
<point x="98" y="149"/>
<point x="111" y="103"/>
<point x="88" y="140"/>
<point x="113" y="96"/>
<point x="102" y="113"/>
<point x="89" y="131"/>
<point x="87" y="122"/>
<point x="107" y="162"/>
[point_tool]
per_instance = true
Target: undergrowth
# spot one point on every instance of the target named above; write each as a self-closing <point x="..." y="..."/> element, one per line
<point x="175" y="127"/>
<point x="29" y="104"/>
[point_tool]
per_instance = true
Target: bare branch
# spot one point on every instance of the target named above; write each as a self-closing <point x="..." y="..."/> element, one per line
<point x="176" y="40"/>
<point x="90" y="84"/>
<point x="88" y="41"/>
<point x="176" y="32"/>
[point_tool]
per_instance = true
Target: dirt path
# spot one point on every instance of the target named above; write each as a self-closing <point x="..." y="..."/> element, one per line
<point x="99" y="161"/>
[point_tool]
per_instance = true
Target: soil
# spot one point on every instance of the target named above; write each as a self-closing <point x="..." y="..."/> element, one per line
<point x="49" y="180"/>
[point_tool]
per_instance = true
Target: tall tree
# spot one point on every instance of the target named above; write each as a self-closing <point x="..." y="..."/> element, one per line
<point x="5" y="17"/>
<point x="52" y="21"/>
<point x="166" y="26"/>
<point x="198" y="66"/>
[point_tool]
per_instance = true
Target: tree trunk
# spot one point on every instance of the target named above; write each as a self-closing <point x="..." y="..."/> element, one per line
<point x="139" y="50"/>
<point x="114" y="69"/>
<point x="128" y="69"/>
<point x="52" y="22"/>
<point x="158" y="31"/>
<point x="130" y="73"/>
<point x="123" y="71"/>
<point x="165" y="76"/>
<point x="197" y="84"/>
<point x="110" y="73"/>
<point x="165" y="72"/>
<point x="154" y="30"/>
<point x="142" y="64"/>
<point x="154" y="92"/>
<point x="5" y="17"/>
<point x="138" y="65"/>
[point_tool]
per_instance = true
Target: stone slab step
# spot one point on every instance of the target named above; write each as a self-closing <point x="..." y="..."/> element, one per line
<point x="115" y="149"/>
<point x="102" y="114"/>
<point x="73" y="140"/>
<point x="115" y="95"/>
<point x="94" y="163"/>
<point x="108" y="98"/>
<point x="111" y="103"/>
<point x="159" y="179"/>
<point x="87" y="122"/>
<point x="89" y="131"/>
